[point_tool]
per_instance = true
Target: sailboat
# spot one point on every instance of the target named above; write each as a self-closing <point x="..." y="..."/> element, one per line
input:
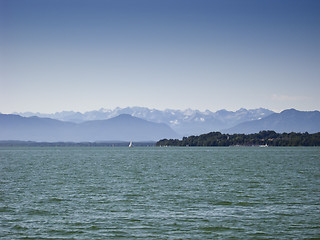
<point x="130" y="144"/>
<point x="266" y="145"/>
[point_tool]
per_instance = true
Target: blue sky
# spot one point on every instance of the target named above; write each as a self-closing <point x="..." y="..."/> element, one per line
<point x="86" y="54"/>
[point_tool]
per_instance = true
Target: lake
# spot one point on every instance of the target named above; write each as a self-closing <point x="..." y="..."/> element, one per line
<point x="159" y="193"/>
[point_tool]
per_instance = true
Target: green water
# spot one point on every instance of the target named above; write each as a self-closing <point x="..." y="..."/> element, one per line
<point x="159" y="193"/>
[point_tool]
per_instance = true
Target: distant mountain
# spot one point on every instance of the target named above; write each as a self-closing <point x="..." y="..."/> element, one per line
<point x="121" y="128"/>
<point x="290" y="120"/>
<point x="187" y="122"/>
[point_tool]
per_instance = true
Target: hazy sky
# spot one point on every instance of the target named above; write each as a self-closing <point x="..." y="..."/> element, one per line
<point x="86" y="54"/>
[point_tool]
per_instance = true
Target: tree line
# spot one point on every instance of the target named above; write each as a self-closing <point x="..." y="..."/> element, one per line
<point x="270" y="138"/>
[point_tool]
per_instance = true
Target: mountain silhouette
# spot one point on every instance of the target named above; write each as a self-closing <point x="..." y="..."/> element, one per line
<point x="121" y="128"/>
<point x="184" y="122"/>
<point x="290" y="120"/>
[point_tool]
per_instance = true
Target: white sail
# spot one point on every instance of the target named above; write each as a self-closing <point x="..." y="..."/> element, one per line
<point x="130" y="144"/>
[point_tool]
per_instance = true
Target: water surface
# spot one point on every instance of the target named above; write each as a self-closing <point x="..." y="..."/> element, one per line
<point x="159" y="193"/>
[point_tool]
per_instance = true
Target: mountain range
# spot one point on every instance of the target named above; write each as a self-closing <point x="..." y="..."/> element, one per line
<point x="288" y="121"/>
<point x="185" y="123"/>
<point x="143" y="124"/>
<point x="121" y="128"/>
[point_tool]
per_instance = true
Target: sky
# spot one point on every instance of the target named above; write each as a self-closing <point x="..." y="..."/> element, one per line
<point x="84" y="55"/>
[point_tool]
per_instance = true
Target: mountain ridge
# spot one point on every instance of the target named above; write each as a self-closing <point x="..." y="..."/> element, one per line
<point x="126" y="127"/>
<point x="184" y="122"/>
<point x="289" y="120"/>
<point x="120" y="128"/>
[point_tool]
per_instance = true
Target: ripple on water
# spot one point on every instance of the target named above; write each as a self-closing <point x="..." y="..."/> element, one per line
<point x="153" y="193"/>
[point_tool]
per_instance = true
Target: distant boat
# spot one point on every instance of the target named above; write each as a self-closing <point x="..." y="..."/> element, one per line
<point x="130" y="145"/>
<point x="266" y="145"/>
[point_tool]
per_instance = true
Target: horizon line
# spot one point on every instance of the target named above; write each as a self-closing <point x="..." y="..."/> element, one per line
<point x="158" y="109"/>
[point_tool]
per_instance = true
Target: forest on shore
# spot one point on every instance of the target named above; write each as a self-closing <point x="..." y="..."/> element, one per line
<point x="263" y="138"/>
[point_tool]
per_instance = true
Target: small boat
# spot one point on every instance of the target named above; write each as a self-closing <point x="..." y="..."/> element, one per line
<point x="130" y="145"/>
<point x="266" y="145"/>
